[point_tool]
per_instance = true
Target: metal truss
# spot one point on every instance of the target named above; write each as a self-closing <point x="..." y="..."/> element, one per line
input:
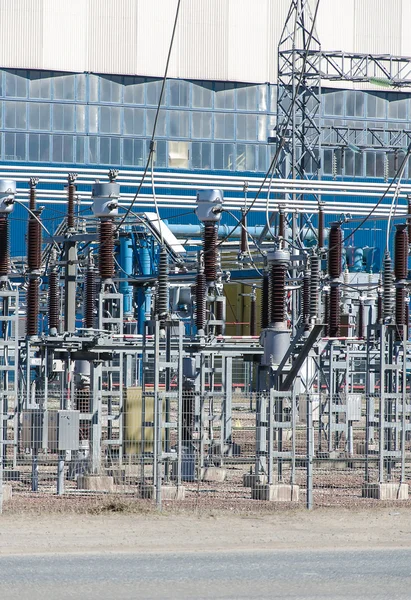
<point x="372" y="138"/>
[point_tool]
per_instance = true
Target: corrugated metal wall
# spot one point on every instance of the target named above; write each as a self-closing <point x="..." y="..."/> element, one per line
<point x="233" y="40"/>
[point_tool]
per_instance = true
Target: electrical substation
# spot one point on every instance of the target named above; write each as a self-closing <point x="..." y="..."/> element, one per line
<point x="252" y="350"/>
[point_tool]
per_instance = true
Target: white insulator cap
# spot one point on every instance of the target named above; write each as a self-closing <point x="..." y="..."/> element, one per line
<point x="7" y="193"/>
<point x="209" y="205"/>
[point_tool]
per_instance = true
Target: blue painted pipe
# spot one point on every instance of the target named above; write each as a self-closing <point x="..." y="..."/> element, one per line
<point x="143" y="294"/>
<point x="126" y="264"/>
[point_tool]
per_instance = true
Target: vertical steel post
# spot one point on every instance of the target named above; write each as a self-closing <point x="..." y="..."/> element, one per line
<point x="309" y="453"/>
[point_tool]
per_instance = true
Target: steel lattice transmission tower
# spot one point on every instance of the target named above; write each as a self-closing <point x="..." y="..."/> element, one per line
<point x="299" y="92"/>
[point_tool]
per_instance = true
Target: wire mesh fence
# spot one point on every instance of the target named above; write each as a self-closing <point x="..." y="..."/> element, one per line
<point x="207" y="448"/>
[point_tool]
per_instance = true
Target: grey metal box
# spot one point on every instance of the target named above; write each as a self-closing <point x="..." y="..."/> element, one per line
<point x="34" y="429"/>
<point x="64" y="428"/>
<point x="354" y="403"/>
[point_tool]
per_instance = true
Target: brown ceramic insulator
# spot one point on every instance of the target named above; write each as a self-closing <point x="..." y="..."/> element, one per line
<point x="326" y="313"/>
<point x="163" y="284"/>
<point x="379" y="308"/>
<point x="335" y="250"/>
<point x="106" y="252"/>
<point x="277" y="293"/>
<point x="314" y="285"/>
<point x="243" y="239"/>
<point x="32" y="307"/>
<point x="401" y="252"/>
<point x="281" y="224"/>
<point x="388" y="280"/>
<point x="306" y="299"/>
<point x="253" y="310"/>
<point x="361" y="320"/>
<point x="400" y="306"/>
<point x="320" y="227"/>
<point x="89" y="298"/>
<point x="201" y="288"/>
<point x="71" y="191"/>
<point x="265" y="302"/>
<point x="53" y="301"/>
<point x="210" y="251"/>
<point x="219" y="315"/>
<point x="4" y="246"/>
<point x="34" y="243"/>
<point x="334" y="320"/>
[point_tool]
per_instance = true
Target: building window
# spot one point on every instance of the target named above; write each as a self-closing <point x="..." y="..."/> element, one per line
<point x="110" y="89"/>
<point x="134" y="121"/>
<point x="62" y="148"/>
<point x="224" y="126"/>
<point x="179" y="121"/>
<point x="40" y="85"/>
<point x="224" y="95"/>
<point x="16" y="84"/>
<point x="80" y="149"/>
<point x="246" y="97"/>
<point x="161" y="127"/>
<point x="160" y="153"/>
<point x="178" y="155"/>
<point x="15" y="115"/>
<point x="202" y="124"/>
<point x="376" y="106"/>
<point x="153" y="90"/>
<point x="39" y="147"/>
<point x="245" y="160"/>
<point x="110" y="150"/>
<point x="246" y="127"/>
<point x="133" y="152"/>
<point x="64" y="87"/>
<point x="134" y="90"/>
<point x="110" y="119"/>
<point x="63" y="117"/>
<point x="202" y="94"/>
<point x="224" y="156"/>
<point x="39" y="116"/>
<point x="15" y="146"/>
<point x="201" y="155"/>
<point x="179" y="92"/>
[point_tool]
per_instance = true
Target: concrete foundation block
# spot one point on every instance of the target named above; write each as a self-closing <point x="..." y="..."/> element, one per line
<point x="251" y="480"/>
<point x="279" y="492"/>
<point x="95" y="483"/>
<point x="385" y="491"/>
<point x="168" y="492"/>
<point x="216" y="474"/>
<point x="7" y="492"/>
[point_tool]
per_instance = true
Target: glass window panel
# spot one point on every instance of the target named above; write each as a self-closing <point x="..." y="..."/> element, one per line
<point x="201" y="155"/>
<point x="93" y="88"/>
<point x="262" y="128"/>
<point x="178" y="155"/>
<point x="161" y="127"/>
<point x="64" y="86"/>
<point x="44" y="147"/>
<point x="115" y="151"/>
<point x="224" y="95"/>
<point x="262" y="103"/>
<point x="273" y="98"/>
<point x="246" y="97"/>
<point x="328" y="103"/>
<point x="80" y="117"/>
<point x="93" y="150"/>
<point x="39" y="116"/>
<point x="201" y="124"/>
<point x="179" y="93"/>
<point x="380" y="164"/>
<point x="245" y="160"/>
<point x="160" y="154"/>
<point x="327" y="162"/>
<point x="397" y="106"/>
<point x="110" y="88"/>
<point x="68" y="148"/>
<point x="359" y="162"/>
<point x="153" y="89"/>
<point x="105" y="150"/>
<point x="16" y="84"/>
<point x="370" y="164"/>
<point x="63" y="117"/>
<point x="133" y="152"/>
<point x="202" y="94"/>
<point x="349" y="162"/>
<point x="376" y="106"/>
<point x="179" y="121"/>
<point x="224" y="126"/>
<point x="224" y="156"/>
<point x="391" y="164"/>
<point x="134" y="121"/>
<point x="80" y="145"/>
<point x="262" y="159"/>
<point x="40" y="84"/>
<point x="134" y="90"/>
<point x="81" y="87"/>
<point x="57" y="148"/>
<point x="16" y="114"/>
<point x="359" y="104"/>
<point x="350" y="103"/>
<point x="34" y="147"/>
<point x="93" y="119"/>
<point x="110" y="119"/>
<point x="246" y="127"/>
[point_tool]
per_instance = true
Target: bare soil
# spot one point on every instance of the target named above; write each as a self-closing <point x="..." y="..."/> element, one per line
<point x="113" y="525"/>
